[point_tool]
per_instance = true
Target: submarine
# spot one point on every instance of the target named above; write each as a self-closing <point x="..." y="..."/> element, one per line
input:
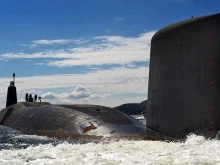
<point x="184" y="79"/>
<point x="66" y="121"/>
<point x="183" y="93"/>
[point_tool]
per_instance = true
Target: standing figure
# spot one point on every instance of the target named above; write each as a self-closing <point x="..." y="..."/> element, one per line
<point x="30" y="98"/>
<point x="39" y="98"/>
<point x="35" y="98"/>
<point x="26" y="97"/>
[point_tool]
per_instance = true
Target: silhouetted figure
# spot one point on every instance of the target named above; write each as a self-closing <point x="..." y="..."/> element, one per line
<point x="39" y="98"/>
<point x="30" y="98"/>
<point x="26" y="97"/>
<point x="35" y="98"/>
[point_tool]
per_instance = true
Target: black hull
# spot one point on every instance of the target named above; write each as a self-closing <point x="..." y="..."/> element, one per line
<point x="64" y="121"/>
<point x="184" y="78"/>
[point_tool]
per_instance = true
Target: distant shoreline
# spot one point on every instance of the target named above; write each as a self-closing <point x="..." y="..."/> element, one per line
<point x="133" y="108"/>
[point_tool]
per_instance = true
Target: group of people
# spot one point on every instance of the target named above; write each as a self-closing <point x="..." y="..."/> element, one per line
<point x="29" y="98"/>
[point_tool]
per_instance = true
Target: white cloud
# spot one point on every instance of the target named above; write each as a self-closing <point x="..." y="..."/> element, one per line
<point x="98" y="96"/>
<point x="114" y="81"/>
<point x="58" y="41"/>
<point x="119" y="19"/>
<point x="30" y="91"/>
<point x="118" y="80"/>
<point x="44" y="42"/>
<point x="104" y="84"/>
<point x="80" y="92"/>
<point x="51" y="42"/>
<point x="49" y="95"/>
<point x="2" y="103"/>
<point x="107" y="50"/>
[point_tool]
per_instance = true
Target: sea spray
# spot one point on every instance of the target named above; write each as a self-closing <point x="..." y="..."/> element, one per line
<point x="195" y="150"/>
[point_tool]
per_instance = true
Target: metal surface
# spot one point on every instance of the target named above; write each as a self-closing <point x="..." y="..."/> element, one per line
<point x="56" y="120"/>
<point x="11" y="96"/>
<point x="184" y="78"/>
<point x="12" y="93"/>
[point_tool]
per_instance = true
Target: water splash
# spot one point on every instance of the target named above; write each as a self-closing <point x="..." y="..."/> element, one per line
<point x="44" y="150"/>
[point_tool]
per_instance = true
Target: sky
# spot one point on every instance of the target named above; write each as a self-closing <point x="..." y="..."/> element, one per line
<point x="85" y="51"/>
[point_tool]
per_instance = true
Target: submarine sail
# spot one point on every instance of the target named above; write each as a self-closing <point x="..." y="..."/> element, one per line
<point x="184" y="78"/>
<point x="12" y="93"/>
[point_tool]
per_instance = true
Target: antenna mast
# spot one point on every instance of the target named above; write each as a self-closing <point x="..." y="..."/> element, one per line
<point x="14" y="78"/>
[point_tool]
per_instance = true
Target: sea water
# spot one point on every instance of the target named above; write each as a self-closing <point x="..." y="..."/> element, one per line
<point x="19" y="149"/>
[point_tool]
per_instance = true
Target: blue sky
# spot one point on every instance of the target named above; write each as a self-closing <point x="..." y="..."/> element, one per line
<point x="85" y="51"/>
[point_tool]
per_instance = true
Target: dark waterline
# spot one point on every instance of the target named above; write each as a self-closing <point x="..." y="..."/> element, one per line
<point x="13" y="139"/>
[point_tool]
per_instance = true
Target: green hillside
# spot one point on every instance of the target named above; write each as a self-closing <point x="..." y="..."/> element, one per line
<point x="133" y="108"/>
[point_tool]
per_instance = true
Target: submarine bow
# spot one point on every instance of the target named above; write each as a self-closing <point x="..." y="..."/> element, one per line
<point x="184" y="79"/>
<point x="43" y="118"/>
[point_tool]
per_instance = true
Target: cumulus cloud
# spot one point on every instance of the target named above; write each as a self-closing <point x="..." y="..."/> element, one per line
<point x="29" y="91"/>
<point x="103" y="50"/>
<point x="80" y="92"/>
<point x="49" y="95"/>
<point x="114" y="81"/>
<point x="117" y="80"/>
<point x="105" y="83"/>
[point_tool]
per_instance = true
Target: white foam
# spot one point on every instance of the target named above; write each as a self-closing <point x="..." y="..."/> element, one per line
<point x="196" y="150"/>
<point x="24" y="136"/>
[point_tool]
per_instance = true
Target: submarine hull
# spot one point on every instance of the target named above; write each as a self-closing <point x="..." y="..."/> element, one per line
<point x="69" y="120"/>
<point x="184" y="78"/>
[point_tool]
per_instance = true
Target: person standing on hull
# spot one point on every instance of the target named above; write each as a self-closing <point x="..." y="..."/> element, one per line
<point x="35" y="98"/>
<point x="26" y="97"/>
<point x="30" y="98"/>
<point x="39" y="98"/>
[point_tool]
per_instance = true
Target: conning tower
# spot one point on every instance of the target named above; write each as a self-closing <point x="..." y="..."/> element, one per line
<point x="12" y="93"/>
<point x="184" y="78"/>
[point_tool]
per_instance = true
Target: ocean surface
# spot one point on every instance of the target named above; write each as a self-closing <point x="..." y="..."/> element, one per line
<point x="19" y="149"/>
